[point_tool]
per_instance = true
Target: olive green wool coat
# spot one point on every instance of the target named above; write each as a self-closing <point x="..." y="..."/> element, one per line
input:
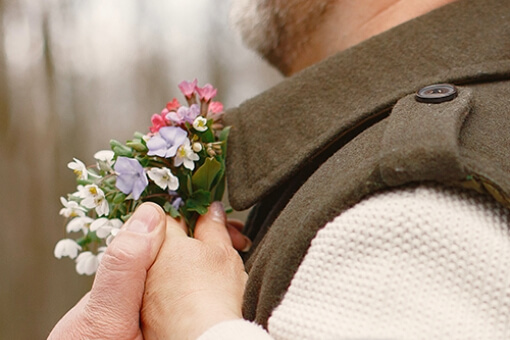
<point x="319" y="142"/>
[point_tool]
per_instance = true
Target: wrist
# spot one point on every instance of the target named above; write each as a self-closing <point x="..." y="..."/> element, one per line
<point x="189" y="317"/>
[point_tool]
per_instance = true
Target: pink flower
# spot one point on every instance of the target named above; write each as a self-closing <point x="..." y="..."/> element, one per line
<point x="188" y="88"/>
<point x="173" y="105"/>
<point x="216" y="107"/>
<point x="158" y="121"/>
<point x="207" y="92"/>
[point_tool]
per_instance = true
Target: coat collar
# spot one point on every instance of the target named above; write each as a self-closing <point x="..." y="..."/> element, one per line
<point x="277" y="132"/>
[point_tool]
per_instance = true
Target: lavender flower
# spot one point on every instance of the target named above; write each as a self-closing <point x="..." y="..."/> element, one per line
<point x="131" y="177"/>
<point x="165" y="144"/>
<point x="177" y="203"/>
<point x="184" y="114"/>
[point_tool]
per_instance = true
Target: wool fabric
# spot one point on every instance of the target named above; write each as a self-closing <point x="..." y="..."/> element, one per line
<point x="424" y="262"/>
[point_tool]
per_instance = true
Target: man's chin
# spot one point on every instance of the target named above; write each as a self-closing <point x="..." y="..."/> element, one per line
<point x="253" y="20"/>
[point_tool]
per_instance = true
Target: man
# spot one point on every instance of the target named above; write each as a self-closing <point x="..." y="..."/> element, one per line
<point x="365" y="224"/>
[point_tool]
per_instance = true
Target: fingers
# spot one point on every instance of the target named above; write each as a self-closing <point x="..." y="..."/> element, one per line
<point x="120" y="280"/>
<point x="239" y="241"/>
<point x="211" y="227"/>
<point x="237" y="224"/>
<point x="175" y="228"/>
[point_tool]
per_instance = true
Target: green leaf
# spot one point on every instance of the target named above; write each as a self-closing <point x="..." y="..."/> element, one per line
<point x="204" y="177"/>
<point x="122" y="209"/>
<point x="224" y="133"/>
<point x="206" y="136"/>
<point x="83" y="241"/>
<point x="219" y="189"/>
<point x="114" y="142"/>
<point x="120" y="149"/>
<point x="202" y="196"/>
<point x="119" y="198"/>
<point x="84" y="182"/>
<point x="144" y="161"/>
<point x="170" y="209"/>
<point x="189" y="186"/>
<point x="139" y="135"/>
<point x="192" y="205"/>
<point x="198" y="202"/>
<point x="126" y="217"/>
<point x="137" y="145"/>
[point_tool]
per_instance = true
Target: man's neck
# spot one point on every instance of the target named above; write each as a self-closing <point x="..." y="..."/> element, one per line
<point x="352" y="22"/>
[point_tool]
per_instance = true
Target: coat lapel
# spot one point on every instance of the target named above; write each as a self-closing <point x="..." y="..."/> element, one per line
<point x="276" y="133"/>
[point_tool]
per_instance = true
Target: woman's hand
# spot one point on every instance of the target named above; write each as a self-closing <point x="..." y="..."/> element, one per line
<point x="111" y="310"/>
<point x="194" y="283"/>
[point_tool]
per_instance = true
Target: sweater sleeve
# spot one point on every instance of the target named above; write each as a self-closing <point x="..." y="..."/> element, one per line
<point x="235" y="330"/>
<point x="425" y="262"/>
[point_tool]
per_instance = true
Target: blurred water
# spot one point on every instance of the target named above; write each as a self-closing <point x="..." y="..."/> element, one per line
<point x="73" y="75"/>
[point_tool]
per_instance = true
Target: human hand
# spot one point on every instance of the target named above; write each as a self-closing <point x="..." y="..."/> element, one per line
<point x="194" y="283"/>
<point x="111" y="309"/>
<point x="239" y="241"/>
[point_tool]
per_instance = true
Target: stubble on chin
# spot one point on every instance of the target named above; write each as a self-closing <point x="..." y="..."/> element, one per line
<point x="254" y="21"/>
<point x="278" y="29"/>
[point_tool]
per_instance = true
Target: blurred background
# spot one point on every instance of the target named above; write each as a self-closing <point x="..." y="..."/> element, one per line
<point x="73" y="75"/>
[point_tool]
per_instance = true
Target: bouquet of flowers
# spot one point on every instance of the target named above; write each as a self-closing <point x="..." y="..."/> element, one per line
<point x="179" y="164"/>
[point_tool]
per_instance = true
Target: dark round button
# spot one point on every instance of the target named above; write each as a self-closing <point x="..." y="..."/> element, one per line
<point x="438" y="93"/>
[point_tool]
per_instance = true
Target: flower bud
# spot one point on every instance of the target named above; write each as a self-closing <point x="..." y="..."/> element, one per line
<point x="197" y="147"/>
<point x="210" y="151"/>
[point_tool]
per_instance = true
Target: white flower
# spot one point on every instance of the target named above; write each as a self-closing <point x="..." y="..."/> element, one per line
<point x="66" y="247"/>
<point x="93" y="197"/>
<point x="112" y="235"/>
<point x="104" y="159"/>
<point x="78" y="191"/>
<point x="100" y="253"/>
<point x="87" y="263"/>
<point x="105" y="227"/>
<point x="163" y="178"/>
<point x="79" y="224"/>
<point x="200" y="124"/>
<point x="79" y="169"/>
<point x="186" y="155"/>
<point x="71" y="208"/>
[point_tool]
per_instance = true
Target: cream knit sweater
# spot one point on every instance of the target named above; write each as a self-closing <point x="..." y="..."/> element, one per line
<point x="419" y="263"/>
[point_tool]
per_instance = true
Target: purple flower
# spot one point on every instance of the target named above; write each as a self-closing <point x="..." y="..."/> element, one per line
<point x="167" y="142"/>
<point x="177" y="203"/>
<point x="184" y="114"/>
<point x="131" y="177"/>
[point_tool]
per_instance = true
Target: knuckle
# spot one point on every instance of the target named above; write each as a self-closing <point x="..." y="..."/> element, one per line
<point x="228" y="255"/>
<point x="117" y="258"/>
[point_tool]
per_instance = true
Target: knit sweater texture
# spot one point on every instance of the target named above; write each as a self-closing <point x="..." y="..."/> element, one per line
<point x="424" y="262"/>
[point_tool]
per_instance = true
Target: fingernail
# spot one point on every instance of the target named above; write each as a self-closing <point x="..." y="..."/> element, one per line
<point x="248" y="245"/>
<point x="144" y="219"/>
<point x="217" y="212"/>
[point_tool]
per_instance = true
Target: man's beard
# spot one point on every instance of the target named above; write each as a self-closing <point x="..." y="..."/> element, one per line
<point x="278" y="29"/>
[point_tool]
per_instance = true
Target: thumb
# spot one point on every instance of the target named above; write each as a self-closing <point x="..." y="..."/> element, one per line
<point x="120" y="280"/>
<point x="212" y="227"/>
